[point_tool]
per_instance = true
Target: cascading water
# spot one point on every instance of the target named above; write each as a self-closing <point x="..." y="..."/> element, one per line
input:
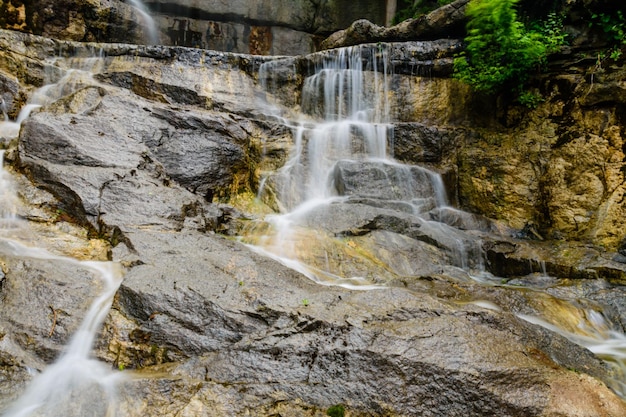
<point x="76" y="72"/>
<point x="341" y="142"/>
<point x="3" y="107"/>
<point x="75" y="384"/>
<point x="151" y="28"/>
<point x="345" y="133"/>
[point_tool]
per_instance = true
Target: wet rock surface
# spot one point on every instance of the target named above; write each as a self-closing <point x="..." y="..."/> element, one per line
<point x="236" y="322"/>
<point x="215" y="329"/>
<point x="283" y="27"/>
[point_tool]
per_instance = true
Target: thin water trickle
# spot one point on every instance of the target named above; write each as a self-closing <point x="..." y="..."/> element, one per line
<point x="8" y="199"/>
<point x="597" y="335"/>
<point x="76" y="384"/>
<point x="3" y="107"/>
<point x="75" y="381"/>
<point x="75" y="73"/>
<point x="148" y="22"/>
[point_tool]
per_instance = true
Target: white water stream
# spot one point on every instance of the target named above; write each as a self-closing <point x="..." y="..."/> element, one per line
<point x="75" y="381"/>
<point x="345" y="121"/>
<point x="76" y="384"/>
<point x="347" y="118"/>
<point x="152" y="31"/>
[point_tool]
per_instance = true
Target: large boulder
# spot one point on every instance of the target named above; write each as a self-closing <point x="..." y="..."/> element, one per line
<point x="256" y="337"/>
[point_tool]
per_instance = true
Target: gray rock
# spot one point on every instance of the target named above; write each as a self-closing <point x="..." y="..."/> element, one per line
<point x="444" y="22"/>
<point x="228" y="315"/>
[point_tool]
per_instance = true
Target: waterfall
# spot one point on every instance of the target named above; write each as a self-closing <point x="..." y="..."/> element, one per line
<point x="344" y="127"/>
<point x="148" y="21"/>
<point x="3" y="107"/>
<point x="345" y="130"/>
<point x="75" y="73"/>
<point x="75" y="381"/>
<point x="597" y="335"/>
<point x="8" y="200"/>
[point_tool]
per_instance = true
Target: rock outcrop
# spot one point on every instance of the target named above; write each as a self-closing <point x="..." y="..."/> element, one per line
<point x="152" y="152"/>
<point x="262" y="27"/>
<point x="445" y="22"/>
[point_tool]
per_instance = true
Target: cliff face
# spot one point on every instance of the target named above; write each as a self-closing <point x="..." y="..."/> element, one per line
<point x="557" y="170"/>
<point x="262" y="27"/>
<point x="158" y="152"/>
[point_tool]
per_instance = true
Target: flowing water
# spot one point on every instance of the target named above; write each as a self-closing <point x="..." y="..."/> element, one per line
<point x="342" y="142"/>
<point x="345" y="129"/>
<point x="341" y="154"/>
<point x="76" y="384"/>
<point x="152" y="32"/>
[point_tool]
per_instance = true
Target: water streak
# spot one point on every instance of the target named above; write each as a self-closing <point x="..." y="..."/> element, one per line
<point x="75" y="384"/>
<point x="597" y="335"/>
<point x="75" y="73"/>
<point x="3" y="107"/>
<point x="148" y="21"/>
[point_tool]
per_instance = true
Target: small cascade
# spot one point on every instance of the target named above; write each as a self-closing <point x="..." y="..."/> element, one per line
<point x="600" y="337"/>
<point x="8" y="199"/>
<point x="75" y="73"/>
<point x="151" y="28"/>
<point x="75" y="381"/>
<point x="3" y="107"/>
<point x="341" y="155"/>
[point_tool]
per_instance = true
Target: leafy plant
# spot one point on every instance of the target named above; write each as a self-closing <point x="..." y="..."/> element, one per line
<point x="530" y="99"/>
<point x="551" y="29"/>
<point x="336" y="411"/>
<point x="614" y="27"/>
<point x="501" y="53"/>
<point x="612" y="24"/>
<point x="500" y="50"/>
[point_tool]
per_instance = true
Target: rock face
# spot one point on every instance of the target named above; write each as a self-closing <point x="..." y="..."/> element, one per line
<point x="147" y="152"/>
<point x="260" y="27"/>
<point x="446" y="21"/>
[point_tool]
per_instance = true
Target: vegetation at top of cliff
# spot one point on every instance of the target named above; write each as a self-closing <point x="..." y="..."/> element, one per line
<point x="614" y="27"/>
<point x="502" y="52"/>
<point x="407" y="9"/>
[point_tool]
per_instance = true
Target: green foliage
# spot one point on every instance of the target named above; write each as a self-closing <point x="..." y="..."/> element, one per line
<point x="408" y="9"/>
<point x="499" y="49"/>
<point x="614" y="27"/>
<point x="501" y="52"/>
<point x="551" y="30"/>
<point x="530" y="99"/>
<point x="612" y="24"/>
<point x="336" y="411"/>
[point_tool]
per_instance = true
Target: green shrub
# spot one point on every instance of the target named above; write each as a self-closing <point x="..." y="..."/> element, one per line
<point x="500" y="52"/>
<point x="529" y="99"/>
<point x="614" y="27"/>
<point x="336" y="411"/>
